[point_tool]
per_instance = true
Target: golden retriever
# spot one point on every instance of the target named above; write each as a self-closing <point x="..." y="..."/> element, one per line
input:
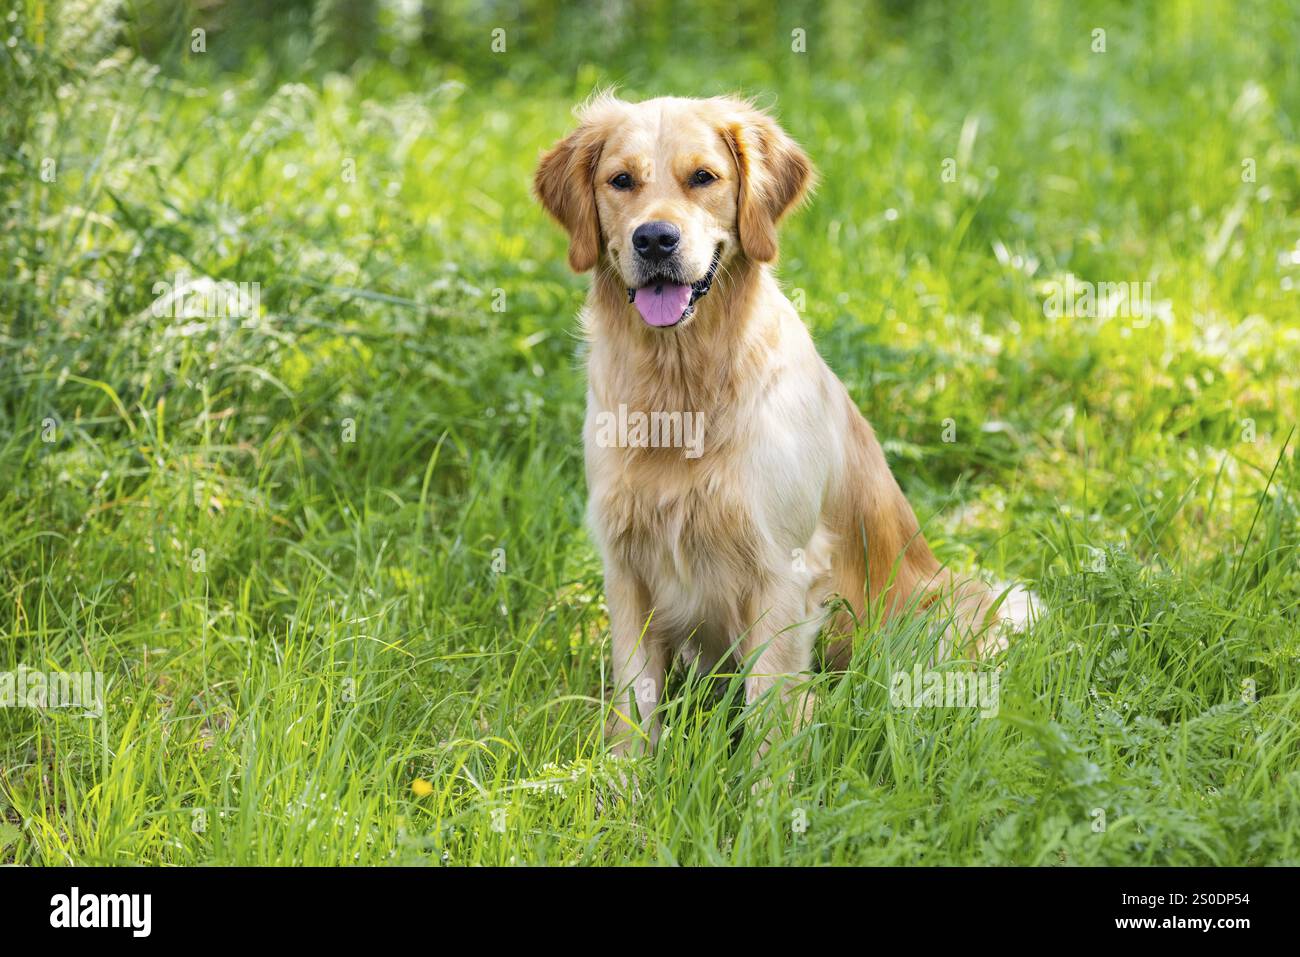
<point x="734" y="487"/>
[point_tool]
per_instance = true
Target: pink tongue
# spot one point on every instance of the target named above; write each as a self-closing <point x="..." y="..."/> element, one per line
<point x="662" y="305"/>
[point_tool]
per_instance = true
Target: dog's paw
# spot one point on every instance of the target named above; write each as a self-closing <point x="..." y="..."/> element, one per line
<point x="1020" y="609"/>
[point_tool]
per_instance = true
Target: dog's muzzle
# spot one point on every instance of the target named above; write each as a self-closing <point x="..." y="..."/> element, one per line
<point x="665" y="304"/>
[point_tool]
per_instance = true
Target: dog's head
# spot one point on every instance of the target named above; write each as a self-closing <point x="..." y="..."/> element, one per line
<point x="669" y="190"/>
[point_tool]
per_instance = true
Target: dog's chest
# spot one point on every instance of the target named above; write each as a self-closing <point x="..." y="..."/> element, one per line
<point x="679" y="525"/>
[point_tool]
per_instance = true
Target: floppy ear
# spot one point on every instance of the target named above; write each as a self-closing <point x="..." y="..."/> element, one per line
<point x="775" y="176"/>
<point x="564" y="183"/>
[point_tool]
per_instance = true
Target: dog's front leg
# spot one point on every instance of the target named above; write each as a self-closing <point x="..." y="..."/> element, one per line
<point x="779" y="645"/>
<point x="640" y="666"/>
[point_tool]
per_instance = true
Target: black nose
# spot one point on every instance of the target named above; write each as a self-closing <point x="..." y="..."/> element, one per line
<point x="656" y="241"/>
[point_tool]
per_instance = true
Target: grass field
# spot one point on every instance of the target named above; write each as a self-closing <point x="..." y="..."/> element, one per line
<point x="330" y="559"/>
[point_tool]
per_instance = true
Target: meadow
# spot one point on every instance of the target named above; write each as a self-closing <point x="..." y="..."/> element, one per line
<point x="330" y="558"/>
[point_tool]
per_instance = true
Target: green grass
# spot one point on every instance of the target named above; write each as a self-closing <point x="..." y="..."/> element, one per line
<point x="295" y="628"/>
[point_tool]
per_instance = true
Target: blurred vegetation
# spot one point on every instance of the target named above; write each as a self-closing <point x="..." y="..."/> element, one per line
<point x="368" y="164"/>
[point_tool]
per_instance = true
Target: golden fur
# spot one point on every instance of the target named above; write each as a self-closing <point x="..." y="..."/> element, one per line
<point x="735" y="552"/>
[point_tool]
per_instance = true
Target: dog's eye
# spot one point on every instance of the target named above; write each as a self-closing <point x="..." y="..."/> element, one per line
<point x="621" y="181"/>
<point x="702" y="177"/>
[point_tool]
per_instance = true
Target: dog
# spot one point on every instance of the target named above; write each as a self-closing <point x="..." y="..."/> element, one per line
<point x="737" y="551"/>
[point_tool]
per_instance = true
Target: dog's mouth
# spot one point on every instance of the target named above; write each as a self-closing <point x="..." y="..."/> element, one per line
<point x="664" y="304"/>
